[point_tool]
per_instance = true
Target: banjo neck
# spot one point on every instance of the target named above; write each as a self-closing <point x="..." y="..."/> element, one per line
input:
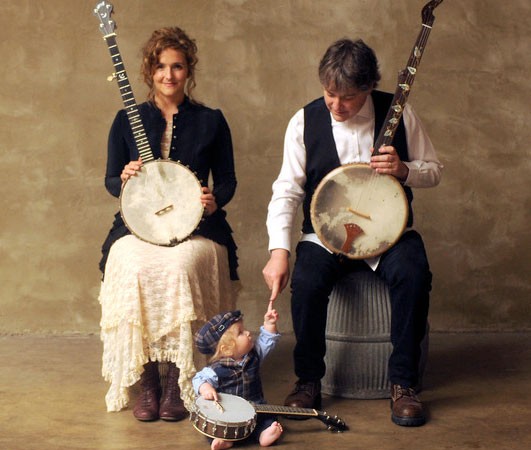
<point x="103" y="12"/>
<point x="333" y="422"/>
<point x="406" y="77"/>
<point x="285" y="410"/>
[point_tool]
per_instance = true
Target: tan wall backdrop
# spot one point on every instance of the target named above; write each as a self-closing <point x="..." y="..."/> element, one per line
<point x="258" y="61"/>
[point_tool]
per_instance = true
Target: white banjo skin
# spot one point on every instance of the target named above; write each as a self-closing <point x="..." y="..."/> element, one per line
<point x="232" y="418"/>
<point x="356" y="194"/>
<point x="161" y="203"/>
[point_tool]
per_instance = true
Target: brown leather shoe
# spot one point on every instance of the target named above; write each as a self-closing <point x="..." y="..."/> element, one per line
<point x="306" y="394"/>
<point x="171" y="406"/>
<point x="146" y="407"/>
<point x="406" y="408"/>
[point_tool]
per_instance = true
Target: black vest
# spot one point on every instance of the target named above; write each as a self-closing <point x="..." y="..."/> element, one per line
<point x="321" y="152"/>
<point x="241" y="380"/>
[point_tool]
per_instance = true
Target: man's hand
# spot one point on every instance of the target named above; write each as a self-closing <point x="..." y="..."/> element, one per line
<point x="388" y="162"/>
<point x="276" y="272"/>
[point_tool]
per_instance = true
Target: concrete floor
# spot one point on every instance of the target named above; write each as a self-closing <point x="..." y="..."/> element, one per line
<point x="476" y="388"/>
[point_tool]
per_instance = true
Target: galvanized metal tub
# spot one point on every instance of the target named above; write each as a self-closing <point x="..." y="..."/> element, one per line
<point x="358" y="339"/>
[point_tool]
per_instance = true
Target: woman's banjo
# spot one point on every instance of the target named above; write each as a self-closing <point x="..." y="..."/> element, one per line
<point x="355" y="211"/>
<point x="161" y="203"/>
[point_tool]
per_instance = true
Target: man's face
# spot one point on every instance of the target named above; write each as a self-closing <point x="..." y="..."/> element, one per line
<point x="345" y="104"/>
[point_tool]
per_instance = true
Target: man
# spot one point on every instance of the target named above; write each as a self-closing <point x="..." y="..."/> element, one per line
<point x="336" y="129"/>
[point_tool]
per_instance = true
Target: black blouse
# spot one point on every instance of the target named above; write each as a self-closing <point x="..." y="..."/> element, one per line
<point x="201" y="140"/>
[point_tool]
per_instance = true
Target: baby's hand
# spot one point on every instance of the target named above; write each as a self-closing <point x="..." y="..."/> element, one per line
<point x="208" y="392"/>
<point x="271" y="315"/>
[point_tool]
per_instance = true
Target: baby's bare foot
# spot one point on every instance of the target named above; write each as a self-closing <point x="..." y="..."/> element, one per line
<point x="270" y="434"/>
<point x="220" y="444"/>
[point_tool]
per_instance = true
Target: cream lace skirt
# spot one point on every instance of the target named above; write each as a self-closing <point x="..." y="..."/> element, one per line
<point x="153" y="299"/>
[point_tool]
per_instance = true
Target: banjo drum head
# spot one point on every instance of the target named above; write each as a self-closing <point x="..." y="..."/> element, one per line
<point x="233" y="421"/>
<point x="161" y="203"/>
<point x="353" y="198"/>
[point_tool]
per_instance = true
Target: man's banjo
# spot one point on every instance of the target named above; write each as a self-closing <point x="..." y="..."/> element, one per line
<point x="355" y="211"/>
<point x="161" y="203"/>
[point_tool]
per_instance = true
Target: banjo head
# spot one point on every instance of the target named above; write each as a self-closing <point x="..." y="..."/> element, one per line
<point x="233" y="421"/>
<point x="357" y="212"/>
<point x="161" y="203"/>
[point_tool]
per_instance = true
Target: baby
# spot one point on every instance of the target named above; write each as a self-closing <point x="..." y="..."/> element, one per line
<point x="235" y="365"/>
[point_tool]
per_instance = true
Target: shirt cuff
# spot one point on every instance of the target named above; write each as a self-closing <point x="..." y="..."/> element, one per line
<point x="283" y="242"/>
<point x="410" y="174"/>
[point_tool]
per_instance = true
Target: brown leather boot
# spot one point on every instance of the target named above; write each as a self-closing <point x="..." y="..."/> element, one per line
<point x="171" y="406"/>
<point x="406" y="408"/>
<point x="306" y="394"/>
<point x="147" y="404"/>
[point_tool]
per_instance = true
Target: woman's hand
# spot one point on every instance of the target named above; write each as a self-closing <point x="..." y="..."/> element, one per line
<point x="130" y="170"/>
<point x="208" y="201"/>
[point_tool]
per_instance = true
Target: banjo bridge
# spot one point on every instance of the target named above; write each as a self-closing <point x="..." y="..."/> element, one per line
<point x="162" y="211"/>
<point x="358" y="213"/>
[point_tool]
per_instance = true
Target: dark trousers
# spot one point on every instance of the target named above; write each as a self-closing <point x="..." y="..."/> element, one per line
<point x="404" y="267"/>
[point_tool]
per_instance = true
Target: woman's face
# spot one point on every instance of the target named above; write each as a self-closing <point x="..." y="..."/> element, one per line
<point x="171" y="73"/>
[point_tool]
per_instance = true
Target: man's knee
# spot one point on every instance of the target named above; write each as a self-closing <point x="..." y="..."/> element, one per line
<point x="314" y="269"/>
<point x="407" y="263"/>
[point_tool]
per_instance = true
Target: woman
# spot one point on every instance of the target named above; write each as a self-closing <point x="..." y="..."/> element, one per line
<point x="152" y="297"/>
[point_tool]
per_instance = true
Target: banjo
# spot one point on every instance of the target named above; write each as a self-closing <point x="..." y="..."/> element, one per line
<point x="355" y="211"/>
<point x="161" y="203"/>
<point x="233" y="418"/>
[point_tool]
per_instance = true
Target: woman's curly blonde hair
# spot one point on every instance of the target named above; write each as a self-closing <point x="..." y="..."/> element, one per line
<point x="162" y="39"/>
